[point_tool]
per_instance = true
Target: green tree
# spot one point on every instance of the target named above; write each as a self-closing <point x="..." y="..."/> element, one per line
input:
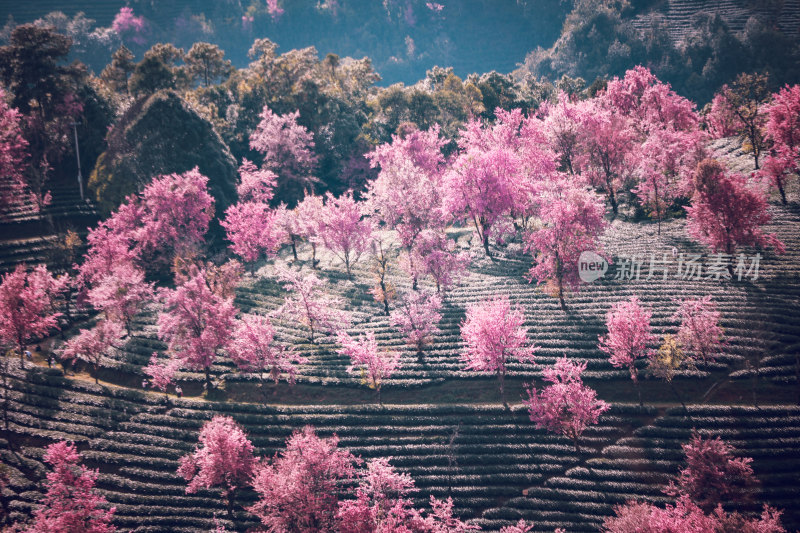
<point x="206" y="62"/>
<point x="116" y="73"/>
<point x="162" y="135"/>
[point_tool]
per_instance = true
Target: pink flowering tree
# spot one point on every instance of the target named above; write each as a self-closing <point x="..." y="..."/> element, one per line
<point x="288" y="151"/>
<point x="720" y="119"/>
<point x="298" y="490"/>
<point x="308" y="220"/>
<point x="567" y="406"/>
<point x="667" y="159"/>
<point x="13" y="153"/>
<point x="417" y="315"/>
<point x="713" y="475"/>
<point x="381" y="255"/>
<point x="439" y="519"/>
<point x="494" y="334"/>
<point x="309" y="305"/>
<point x="483" y="184"/>
<point x="367" y="360"/>
<point x="177" y="209"/>
<point x="520" y="527"/>
<point x="726" y="212"/>
<point x="437" y="257"/>
<point x="381" y="501"/>
<point x="254" y="230"/>
<point x="196" y="322"/>
<point x="783" y="131"/>
<point x="254" y="349"/>
<point x="121" y="293"/>
<point x="651" y="103"/>
<point x="255" y="185"/>
<point x="571" y="220"/>
<point x="71" y="502"/>
<point x="27" y="302"/>
<point x="344" y="230"/>
<point x="629" y="337"/>
<point x="162" y="374"/>
<point x="223" y="458"/>
<point x="128" y="25"/>
<point x="561" y="125"/>
<point x="91" y="345"/>
<point x="406" y="195"/>
<point x="699" y="334"/>
<point x="607" y="138"/>
<point x="252" y="227"/>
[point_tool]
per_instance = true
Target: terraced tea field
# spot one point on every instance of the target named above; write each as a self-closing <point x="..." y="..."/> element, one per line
<point x="439" y="423"/>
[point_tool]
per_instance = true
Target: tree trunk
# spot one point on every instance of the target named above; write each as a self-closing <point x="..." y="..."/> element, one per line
<point x="314" y="261"/>
<point x="502" y="377"/>
<point x="378" y="391"/>
<point x="781" y="189"/>
<point x="294" y="247"/>
<point x="208" y="380"/>
<point x="613" y="198"/>
<point x="385" y="297"/>
<point x="231" y="497"/>
<point x="635" y="379"/>
<point x="678" y="396"/>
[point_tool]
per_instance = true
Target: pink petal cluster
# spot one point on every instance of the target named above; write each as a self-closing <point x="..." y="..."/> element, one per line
<point x="71" y="503"/>
<point x="567" y="406"/>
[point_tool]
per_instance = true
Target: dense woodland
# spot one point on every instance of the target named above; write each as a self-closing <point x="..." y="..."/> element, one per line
<point x="307" y="302"/>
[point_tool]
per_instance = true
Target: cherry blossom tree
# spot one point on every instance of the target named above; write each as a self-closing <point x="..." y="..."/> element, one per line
<point x="567" y="406"/>
<point x="161" y="374"/>
<point x="562" y="131"/>
<point x="493" y="334"/>
<point x="667" y="159"/>
<point x="288" y="150"/>
<point x="440" y="519"/>
<point x="407" y="192"/>
<point x="27" y="301"/>
<point x="298" y="489"/>
<point x="381" y="503"/>
<point x="13" y="153"/>
<point x="571" y="220"/>
<point x="483" y="184"/>
<point x="196" y="322"/>
<point x="700" y="333"/>
<point x="437" y="257"/>
<point x="223" y="458"/>
<point x="71" y="503"/>
<point x="121" y="293"/>
<point x="381" y="254"/>
<point x="91" y="345"/>
<point x="720" y="119"/>
<point x="308" y="217"/>
<point x="177" y="209"/>
<point x="629" y="337"/>
<point x="126" y="24"/>
<point x="649" y="102"/>
<point x="255" y="185"/>
<point x="519" y="527"/>
<point x="726" y="212"/>
<point x="713" y="475"/>
<point x="254" y="349"/>
<point x="783" y="131"/>
<point x="418" y="317"/>
<point x="309" y="305"/>
<point x="344" y="230"/>
<point x="253" y="229"/>
<point x="607" y="139"/>
<point x="368" y="360"/>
